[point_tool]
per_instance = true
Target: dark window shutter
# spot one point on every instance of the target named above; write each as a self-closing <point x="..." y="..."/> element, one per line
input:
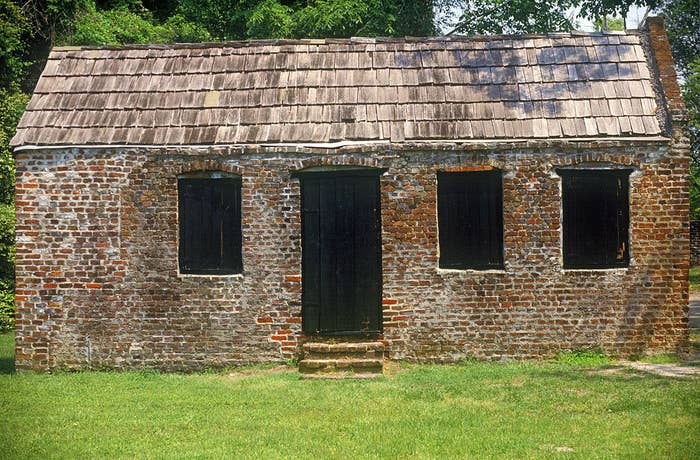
<point x="470" y="218"/>
<point x="210" y="225"/>
<point x="231" y="236"/>
<point x="595" y="218"/>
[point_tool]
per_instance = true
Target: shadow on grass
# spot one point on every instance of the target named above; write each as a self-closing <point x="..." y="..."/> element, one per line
<point x="7" y="353"/>
<point x="7" y="365"/>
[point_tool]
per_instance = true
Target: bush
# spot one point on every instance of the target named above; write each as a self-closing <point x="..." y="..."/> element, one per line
<point x="7" y="310"/>
<point x="7" y="246"/>
<point x="7" y="267"/>
<point x="120" y="26"/>
<point x="11" y="107"/>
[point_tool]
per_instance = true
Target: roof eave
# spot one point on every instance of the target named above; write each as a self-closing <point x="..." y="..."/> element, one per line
<point x="416" y="144"/>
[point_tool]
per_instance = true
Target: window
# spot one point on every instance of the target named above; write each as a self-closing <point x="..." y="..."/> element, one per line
<point x="595" y="223"/>
<point x="210" y="224"/>
<point x="470" y="218"/>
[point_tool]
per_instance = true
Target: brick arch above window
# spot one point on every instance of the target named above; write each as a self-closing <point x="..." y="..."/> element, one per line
<point x="208" y="174"/>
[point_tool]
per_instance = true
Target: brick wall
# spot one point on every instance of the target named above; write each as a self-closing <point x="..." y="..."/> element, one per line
<point x="98" y="286"/>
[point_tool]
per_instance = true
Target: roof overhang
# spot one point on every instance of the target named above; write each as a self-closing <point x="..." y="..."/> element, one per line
<point x="417" y="145"/>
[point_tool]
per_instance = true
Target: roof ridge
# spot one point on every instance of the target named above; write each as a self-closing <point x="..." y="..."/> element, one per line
<point x="349" y="41"/>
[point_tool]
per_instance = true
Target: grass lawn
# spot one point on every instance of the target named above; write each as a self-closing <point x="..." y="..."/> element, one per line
<point x="471" y="410"/>
<point x="695" y="279"/>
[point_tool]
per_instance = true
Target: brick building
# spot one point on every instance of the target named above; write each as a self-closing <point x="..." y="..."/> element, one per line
<point x="494" y="197"/>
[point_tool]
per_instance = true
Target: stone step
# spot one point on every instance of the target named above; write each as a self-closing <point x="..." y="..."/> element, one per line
<point x="343" y="363"/>
<point x="343" y="367"/>
<point x="342" y="360"/>
<point x="341" y="375"/>
<point x="319" y="350"/>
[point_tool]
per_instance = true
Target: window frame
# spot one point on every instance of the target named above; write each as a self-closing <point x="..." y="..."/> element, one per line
<point x="229" y="218"/>
<point x="615" y="223"/>
<point x="458" y="183"/>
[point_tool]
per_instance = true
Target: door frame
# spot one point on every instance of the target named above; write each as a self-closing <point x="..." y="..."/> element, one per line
<point x="332" y="171"/>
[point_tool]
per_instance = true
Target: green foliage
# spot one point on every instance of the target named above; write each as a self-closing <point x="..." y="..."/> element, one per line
<point x="658" y="359"/>
<point x="7" y="267"/>
<point x="538" y="16"/>
<point x="594" y="9"/>
<point x="180" y="30"/>
<point x="230" y="19"/>
<point x="695" y="279"/>
<point x="13" y="31"/>
<point x="7" y="245"/>
<point x="122" y="25"/>
<point x="53" y="18"/>
<point x="14" y="28"/>
<point x="161" y="9"/>
<point x="114" y="22"/>
<point x="583" y="358"/>
<point x="691" y="93"/>
<point x="695" y="192"/>
<point x="7" y="310"/>
<point x="344" y="18"/>
<point x="223" y="19"/>
<point x="682" y="18"/>
<point x="514" y="16"/>
<point x="691" y="97"/>
<point x="610" y="23"/>
<point x="695" y="344"/>
<point x="11" y="107"/>
<point x="415" y="18"/>
<point x="269" y="19"/>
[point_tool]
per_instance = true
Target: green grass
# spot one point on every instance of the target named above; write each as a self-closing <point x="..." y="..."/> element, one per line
<point x="583" y="358"/>
<point x="695" y="279"/>
<point x="473" y="410"/>
<point x="659" y="359"/>
<point x="7" y="354"/>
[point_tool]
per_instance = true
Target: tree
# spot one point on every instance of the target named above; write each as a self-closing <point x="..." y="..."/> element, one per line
<point x="683" y="28"/>
<point x="691" y="97"/>
<point x="345" y="18"/>
<point x="416" y="18"/>
<point x="609" y="23"/>
<point x="599" y="9"/>
<point x="242" y="19"/>
<point x="512" y="16"/>
<point x="682" y="18"/>
<point x="14" y="29"/>
<point x="129" y="23"/>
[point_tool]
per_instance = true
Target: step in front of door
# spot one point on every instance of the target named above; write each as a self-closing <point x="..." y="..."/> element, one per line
<point x="342" y="360"/>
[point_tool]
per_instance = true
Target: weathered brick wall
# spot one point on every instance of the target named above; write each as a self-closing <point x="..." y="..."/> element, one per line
<point x="694" y="243"/>
<point x="98" y="286"/>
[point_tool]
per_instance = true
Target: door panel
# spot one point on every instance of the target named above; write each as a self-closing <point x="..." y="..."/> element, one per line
<point x="341" y="259"/>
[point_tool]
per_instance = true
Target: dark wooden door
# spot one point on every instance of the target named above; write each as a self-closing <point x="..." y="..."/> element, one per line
<point x="341" y="261"/>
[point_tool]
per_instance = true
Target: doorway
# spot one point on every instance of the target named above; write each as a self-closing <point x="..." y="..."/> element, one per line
<point x="341" y="252"/>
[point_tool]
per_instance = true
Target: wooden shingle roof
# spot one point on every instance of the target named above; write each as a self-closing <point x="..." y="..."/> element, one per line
<point x="325" y="91"/>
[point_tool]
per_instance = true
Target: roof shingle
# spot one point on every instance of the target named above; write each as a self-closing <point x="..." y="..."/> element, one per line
<point x="319" y="91"/>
